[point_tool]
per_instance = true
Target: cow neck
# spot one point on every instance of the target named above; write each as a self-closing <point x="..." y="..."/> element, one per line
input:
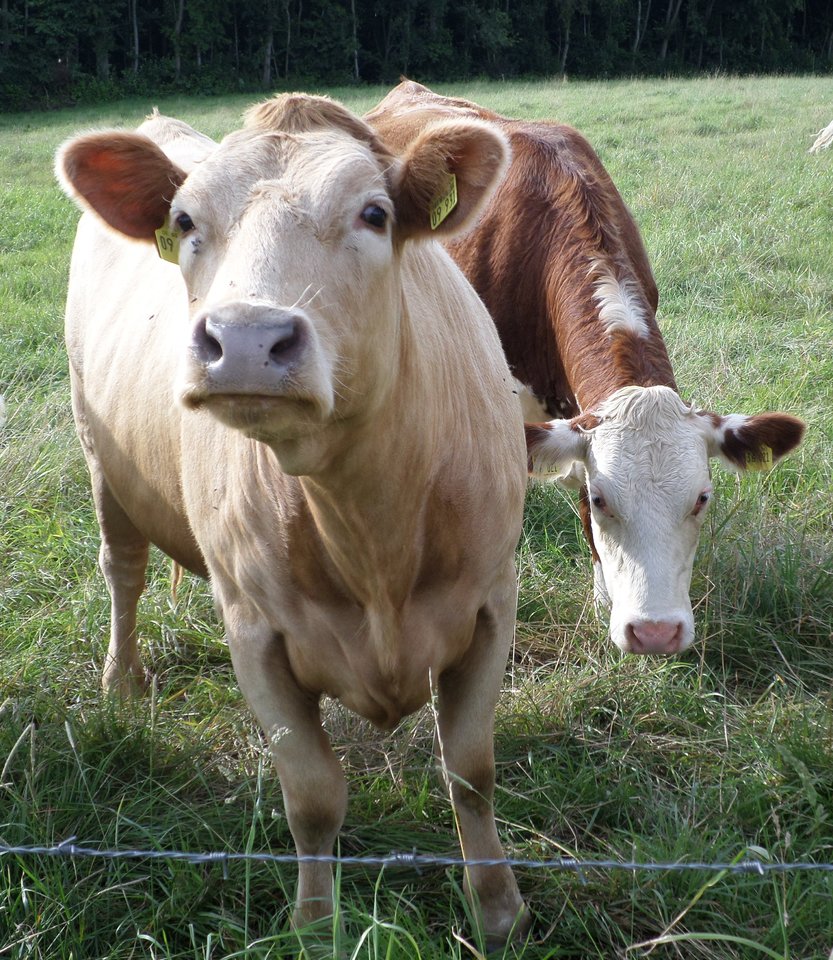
<point x="598" y="361"/>
<point x="369" y="535"/>
<point x="368" y="501"/>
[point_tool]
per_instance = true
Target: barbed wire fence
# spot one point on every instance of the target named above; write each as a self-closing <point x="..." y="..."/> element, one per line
<point x="411" y="860"/>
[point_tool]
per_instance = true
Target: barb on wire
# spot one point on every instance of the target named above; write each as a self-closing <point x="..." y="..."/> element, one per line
<point x="412" y="860"/>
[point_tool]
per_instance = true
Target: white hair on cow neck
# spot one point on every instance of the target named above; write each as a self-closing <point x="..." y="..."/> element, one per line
<point x="619" y="303"/>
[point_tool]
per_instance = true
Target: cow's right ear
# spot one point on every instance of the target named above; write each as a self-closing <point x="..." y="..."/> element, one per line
<point x="556" y="451"/>
<point x="122" y="177"/>
<point x="447" y="175"/>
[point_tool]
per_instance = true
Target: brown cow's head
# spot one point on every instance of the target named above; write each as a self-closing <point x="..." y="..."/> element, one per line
<point x="644" y="458"/>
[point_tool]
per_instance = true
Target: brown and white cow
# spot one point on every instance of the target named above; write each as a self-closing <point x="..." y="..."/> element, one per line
<point x="312" y="409"/>
<point x="559" y="262"/>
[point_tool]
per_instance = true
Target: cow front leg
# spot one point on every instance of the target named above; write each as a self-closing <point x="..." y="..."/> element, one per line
<point x="312" y="781"/>
<point x="465" y="714"/>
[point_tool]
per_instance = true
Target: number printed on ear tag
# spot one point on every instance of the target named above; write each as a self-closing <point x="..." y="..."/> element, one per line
<point x="167" y="244"/>
<point x="442" y="205"/>
<point x="761" y="461"/>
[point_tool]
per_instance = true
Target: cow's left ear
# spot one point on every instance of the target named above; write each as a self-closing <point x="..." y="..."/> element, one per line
<point x="447" y="175"/>
<point x="751" y="443"/>
<point x="122" y="177"/>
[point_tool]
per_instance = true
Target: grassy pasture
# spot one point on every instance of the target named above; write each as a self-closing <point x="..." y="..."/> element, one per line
<point x="724" y="753"/>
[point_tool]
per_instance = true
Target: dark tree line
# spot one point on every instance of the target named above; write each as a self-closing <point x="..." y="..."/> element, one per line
<point x="57" y="51"/>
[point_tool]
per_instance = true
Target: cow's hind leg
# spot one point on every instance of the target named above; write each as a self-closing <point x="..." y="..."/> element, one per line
<point x="466" y="704"/>
<point x="312" y="781"/>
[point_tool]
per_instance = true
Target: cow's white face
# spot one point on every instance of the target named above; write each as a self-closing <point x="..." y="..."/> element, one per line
<point x="290" y="235"/>
<point x="644" y="458"/>
<point x="292" y="279"/>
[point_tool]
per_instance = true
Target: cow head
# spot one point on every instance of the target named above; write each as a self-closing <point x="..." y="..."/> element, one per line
<point x="644" y="458"/>
<point x="290" y="236"/>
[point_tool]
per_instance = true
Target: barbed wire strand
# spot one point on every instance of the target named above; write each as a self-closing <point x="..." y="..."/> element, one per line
<point x="412" y="860"/>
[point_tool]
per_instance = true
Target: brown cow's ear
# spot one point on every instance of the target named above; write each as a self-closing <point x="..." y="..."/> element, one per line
<point x="752" y="443"/>
<point x="447" y="176"/>
<point x="556" y="451"/>
<point x="122" y="177"/>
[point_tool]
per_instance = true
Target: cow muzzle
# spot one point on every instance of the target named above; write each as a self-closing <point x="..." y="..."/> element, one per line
<point x="248" y="357"/>
<point x="655" y="636"/>
<point x="248" y="349"/>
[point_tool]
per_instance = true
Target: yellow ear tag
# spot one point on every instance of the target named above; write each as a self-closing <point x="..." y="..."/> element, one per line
<point x="761" y="462"/>
<point x="442" y="205"/>
<point x="167" y="244"/>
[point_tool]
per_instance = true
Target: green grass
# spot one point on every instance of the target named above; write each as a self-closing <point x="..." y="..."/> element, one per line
<point x="724" y="753"/>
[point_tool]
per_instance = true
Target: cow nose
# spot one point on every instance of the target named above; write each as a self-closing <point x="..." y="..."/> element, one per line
<point x="247" y="348"/>
<point x="263" y="333"/>
<point x="654" y="636"/>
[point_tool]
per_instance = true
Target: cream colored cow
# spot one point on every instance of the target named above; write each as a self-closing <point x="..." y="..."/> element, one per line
<point x="313" y="410"/>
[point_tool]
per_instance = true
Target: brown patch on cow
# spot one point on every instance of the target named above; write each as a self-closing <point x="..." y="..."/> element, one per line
<point x="125" y="177"/>
<point x="715" y="418"/>
<point x="642" y="360"/>
<point x="554" y="222"/>
<point x="780" y="432"/>
<point x="585" y="422"/>
<point x="584" y="514"/>
<point x="534" y="260"/>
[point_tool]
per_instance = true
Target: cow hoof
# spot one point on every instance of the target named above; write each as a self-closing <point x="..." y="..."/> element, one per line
<point x="318" y="939"/>
<point x="498" y="941"/>
<point x="124" y="684"/>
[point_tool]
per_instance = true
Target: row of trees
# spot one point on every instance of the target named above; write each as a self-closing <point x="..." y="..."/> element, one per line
<point x="60" y="50"/>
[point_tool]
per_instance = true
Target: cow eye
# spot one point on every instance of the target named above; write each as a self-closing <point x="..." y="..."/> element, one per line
<point x="374" y="216"/>
<point x="184" y="223"/>
<point x="600" y="504"/>
<point x="702" y="500"/>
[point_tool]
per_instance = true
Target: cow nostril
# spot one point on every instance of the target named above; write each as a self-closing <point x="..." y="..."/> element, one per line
<point x="212" y="349"/>
<point x="208" y="347"/>
<point x="287" y="342"/>
<point x="657" y="637"/>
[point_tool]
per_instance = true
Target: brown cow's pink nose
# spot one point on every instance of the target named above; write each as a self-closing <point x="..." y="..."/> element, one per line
<point x="654" y="636"/>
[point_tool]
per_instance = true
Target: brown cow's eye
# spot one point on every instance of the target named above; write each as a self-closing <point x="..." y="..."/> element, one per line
<point x="184" y="223"/>
<point x="600" y="505"/>
<point x="374" y="216"/>
<point x="702" y="500"/>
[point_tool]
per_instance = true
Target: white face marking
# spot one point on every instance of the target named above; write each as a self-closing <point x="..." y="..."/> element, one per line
<point x="648" y="484"/>
<point x="620" y="306"/>
<point x="644" y="457"/>
<point x="645" y="465"/>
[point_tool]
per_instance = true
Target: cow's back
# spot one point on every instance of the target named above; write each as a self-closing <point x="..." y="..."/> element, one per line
<point x="556" y="212"/>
